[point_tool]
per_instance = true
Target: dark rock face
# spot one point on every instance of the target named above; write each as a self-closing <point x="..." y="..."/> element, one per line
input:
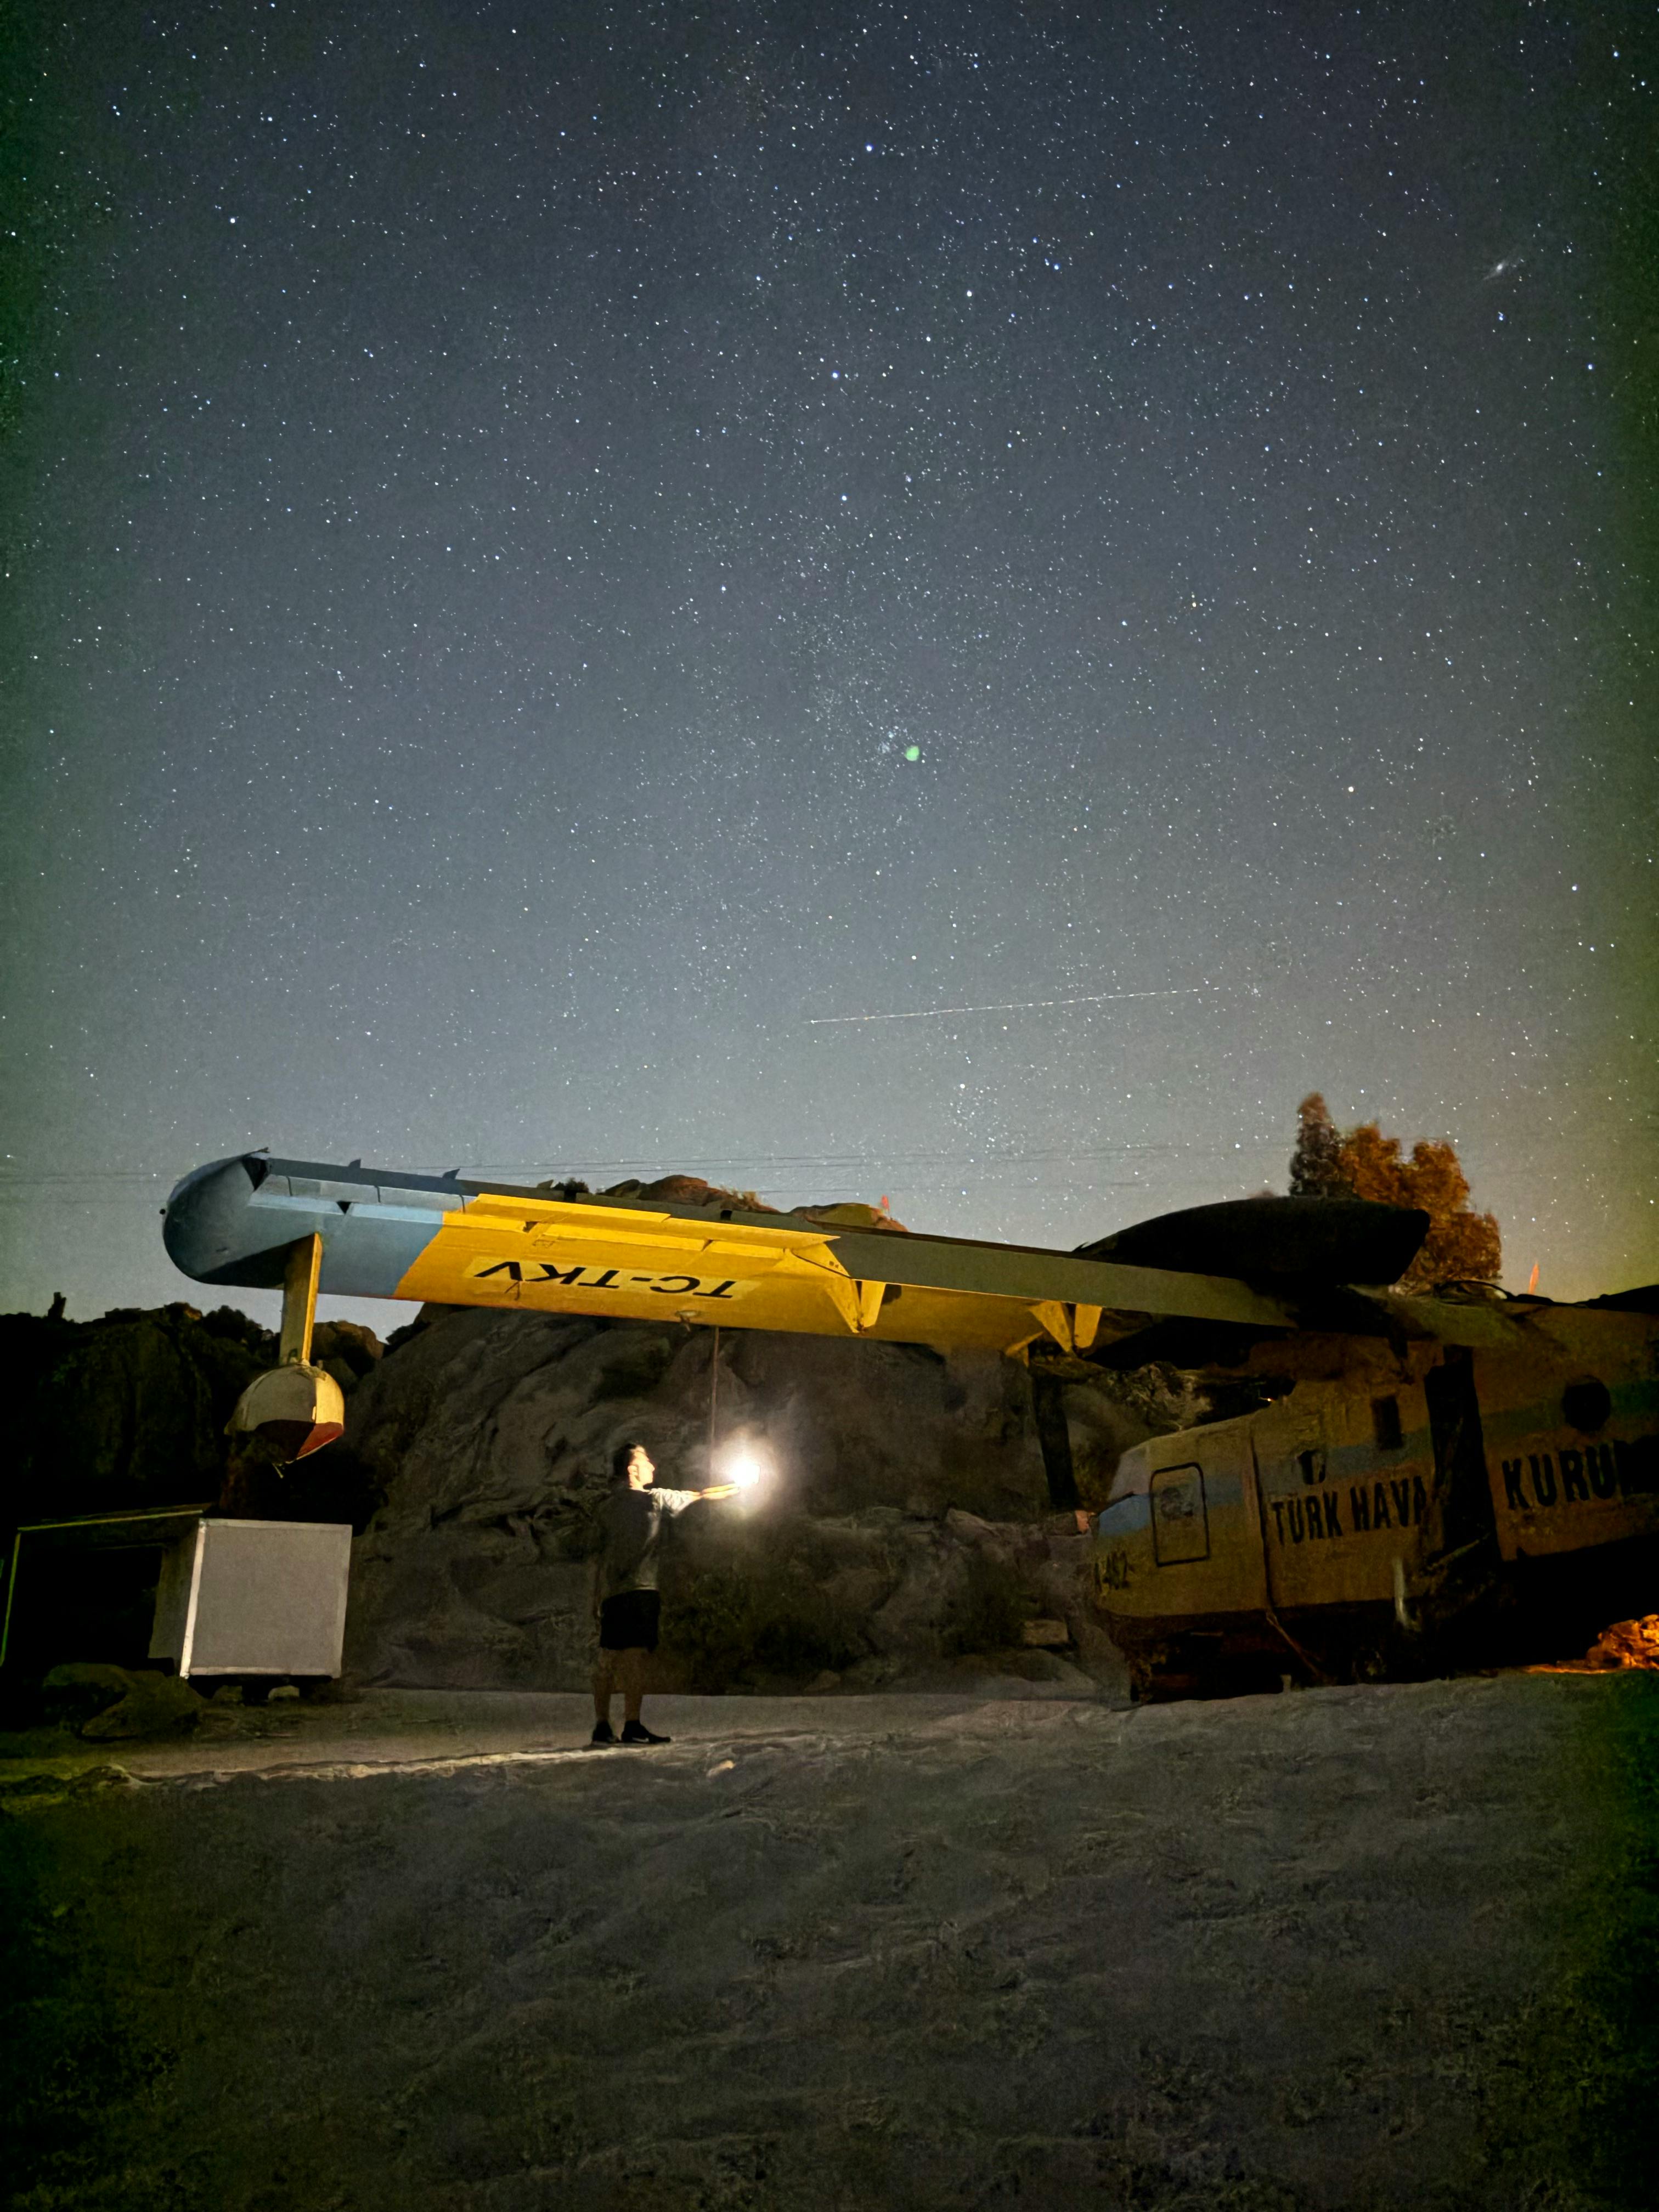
<point x="109" y="1704"/>
<point x="123" y="1412"/>
<point x="905" y="1535"/>
<point x="126" y="1414"/>
<point x="345" y="1348"/>
<point x="905" y="1527"/>
<point x="130" y="1411"/>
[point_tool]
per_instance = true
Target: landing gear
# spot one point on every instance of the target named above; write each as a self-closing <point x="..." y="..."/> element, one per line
<point x="294" y="1408"/>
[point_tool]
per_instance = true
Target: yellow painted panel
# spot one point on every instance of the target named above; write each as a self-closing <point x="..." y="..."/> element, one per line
<point x="1208" y="1475"/>
<point x="1056" y="1320"/>
<point x="1316" y="1454"/>
<point x="650" y="1255"/>
<point x="616" y="1224"/>
<point x="483" y="1262"/>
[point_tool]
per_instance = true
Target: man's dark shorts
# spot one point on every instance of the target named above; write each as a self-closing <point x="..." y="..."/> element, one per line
<point x="629" y="1621"/>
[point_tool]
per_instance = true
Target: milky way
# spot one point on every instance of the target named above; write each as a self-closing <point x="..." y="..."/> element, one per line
<point x="553" y="548"/>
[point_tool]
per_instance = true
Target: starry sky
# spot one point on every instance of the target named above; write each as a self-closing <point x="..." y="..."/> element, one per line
<point x="554" y="554"/>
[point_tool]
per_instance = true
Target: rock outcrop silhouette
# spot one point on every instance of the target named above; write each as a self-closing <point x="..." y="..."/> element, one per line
<point x="129" y="1411"/>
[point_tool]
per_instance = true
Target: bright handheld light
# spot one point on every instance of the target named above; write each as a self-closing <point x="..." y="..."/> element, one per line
<point x="740" y="1464"/>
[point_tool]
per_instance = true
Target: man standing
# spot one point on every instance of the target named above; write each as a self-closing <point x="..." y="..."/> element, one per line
<point x="626" y="1602"/>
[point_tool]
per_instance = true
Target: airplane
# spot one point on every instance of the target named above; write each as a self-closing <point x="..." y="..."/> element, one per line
<point x="1400" y="1473"/>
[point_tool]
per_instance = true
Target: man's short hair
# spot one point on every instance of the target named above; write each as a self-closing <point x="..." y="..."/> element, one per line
<point x="621" y="1459"/>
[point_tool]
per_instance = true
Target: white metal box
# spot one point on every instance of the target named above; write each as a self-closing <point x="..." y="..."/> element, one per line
<point x="254" y="1597"/>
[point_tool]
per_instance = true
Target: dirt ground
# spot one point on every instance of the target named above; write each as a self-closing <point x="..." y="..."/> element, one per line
<point x="1343" y="1948"/>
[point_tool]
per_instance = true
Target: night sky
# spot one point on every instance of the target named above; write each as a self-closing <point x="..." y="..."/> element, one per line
<point x="552" y="550"/>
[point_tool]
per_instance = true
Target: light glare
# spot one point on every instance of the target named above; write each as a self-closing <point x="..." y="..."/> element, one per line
<point x="741" y="1465"/>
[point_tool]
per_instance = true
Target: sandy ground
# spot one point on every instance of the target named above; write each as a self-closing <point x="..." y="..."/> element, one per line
<point x="1341" y="1948"/>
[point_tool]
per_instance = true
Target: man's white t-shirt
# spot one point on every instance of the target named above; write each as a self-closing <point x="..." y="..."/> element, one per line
<point x="631" y="1523"/>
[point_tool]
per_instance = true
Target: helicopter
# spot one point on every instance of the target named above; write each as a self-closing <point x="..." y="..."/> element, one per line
<point x="1390" y="1484"/>
<point x="1422" y="1482"/>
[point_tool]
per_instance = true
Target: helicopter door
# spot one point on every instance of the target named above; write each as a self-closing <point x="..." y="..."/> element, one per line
<point x="1462" y="1492"/>
<point x="1206" y="1536"/>
<point x="1181" y="1521"/>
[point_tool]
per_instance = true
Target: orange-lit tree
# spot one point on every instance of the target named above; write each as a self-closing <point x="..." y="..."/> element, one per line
<point x="1462" y="1245"/>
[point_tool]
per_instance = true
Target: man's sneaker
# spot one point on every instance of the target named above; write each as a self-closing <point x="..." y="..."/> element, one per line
<point x="602" y="1734"/>
<point x="637" y="1732"/>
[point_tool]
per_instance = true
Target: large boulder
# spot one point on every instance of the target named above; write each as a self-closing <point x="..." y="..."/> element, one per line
<point x="905" y="1530"/>
<point x="123" y="1412"/>
<point x="110" y="1704"/>
<point x="129" y="1411"/>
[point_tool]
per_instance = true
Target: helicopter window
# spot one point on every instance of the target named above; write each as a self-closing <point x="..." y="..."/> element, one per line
<point x="1180" y="1526"/>
<point x="1385" y="1423"/>
<point x="1586" y="1405"/>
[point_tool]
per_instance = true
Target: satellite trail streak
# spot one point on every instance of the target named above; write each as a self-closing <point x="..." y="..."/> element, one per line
<point x="1020" y="1006"/>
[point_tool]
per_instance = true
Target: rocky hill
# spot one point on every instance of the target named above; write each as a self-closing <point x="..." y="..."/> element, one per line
<point x="904" y="1532"/>
<point x="129" y="1411"/>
